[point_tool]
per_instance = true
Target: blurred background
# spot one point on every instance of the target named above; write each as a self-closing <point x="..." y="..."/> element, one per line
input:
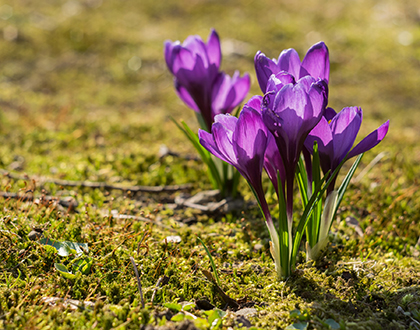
<point x="81" y="76"/>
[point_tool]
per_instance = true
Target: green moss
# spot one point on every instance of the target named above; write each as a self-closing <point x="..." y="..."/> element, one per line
<point x="72" y="109"/>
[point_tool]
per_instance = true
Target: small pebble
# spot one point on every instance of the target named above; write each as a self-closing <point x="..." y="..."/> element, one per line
<point x="172" y="239"/>
<point x="34" y="235"/>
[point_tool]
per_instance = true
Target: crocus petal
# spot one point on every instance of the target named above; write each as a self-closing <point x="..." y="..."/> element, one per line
<point x="182" y="59"/>
<point x="370" y="141"/>
<point x="290" y="107"/>
<point x="264" y="68"/>
<point x="316" y="62"/>
<point x="228" y="122"/>
<point x="329" y="113"/>
<point x="241" y="86"/>
<point x="254" y="103"/>
<point x="289" y="61"/>
<point x="285" y="124"/>
<point x="318" y="94"/>
<point x="241" y="142"/>
<point x="309" y="82"/>
<point x="198" y="91"/>
<point x="207" y="141"/>
<point x="278" y="80"/>
<point x="345" y="126"/>
<point x="213" y="48"/>
<point x="223" y="139"/>
<point x="250" y="136"/>
<point x="223" y="94"/>
<point x="186" y="97"/>
<point x="187" y="76"/>
<point x="169" y="53"/>
<point x="197" y="47"/>
<point x="228" y="92"/>
<point x="323" y="135"/>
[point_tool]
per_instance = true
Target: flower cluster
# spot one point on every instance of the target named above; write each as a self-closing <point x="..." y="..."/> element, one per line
<point x="274" y="131"/>
<point x="290" y="132"/>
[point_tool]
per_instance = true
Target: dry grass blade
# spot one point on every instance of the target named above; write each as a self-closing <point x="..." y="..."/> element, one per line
<point x="138" y="281"/>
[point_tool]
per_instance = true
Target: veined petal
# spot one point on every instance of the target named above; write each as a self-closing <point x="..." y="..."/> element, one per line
<point x="207" y="141"/>
<point x="323" y="135"/>
<point x="197" y="74"/>
<point x="185" y="96"/>
<point x="213" y="48"/>
<point x="228" y="92"/>
<point x="307" y="82"/>
<point x="277" y="81"/>
<point x="345" y="126"/>
<point x="228" y="122"/>
<point x="264" y="68"/>
<point x="346" y="117"/>
<point x="329" y="113"/>
<point x="289" y="61"/>
<point x="241" y="86"/>
<point x="182" y="58"/>
<point x="254" y="103"/>
<point x="197" y="47"/>
<point x="271" y="119"/>
<point x="319" y="98"/>
<point x="169" y="53"/>
<point x="198" y="91"/>
<point x="223" y="94"/>
<point x="316" y="62"/>
<point x="370" y="141"/>
<point x="250" y="137"/>
<point x="294" y="98"/>
<point x="223" y="139"/>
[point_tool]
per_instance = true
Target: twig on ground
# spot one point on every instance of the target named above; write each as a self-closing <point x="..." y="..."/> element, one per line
<point x="102" y="185"/>
<point x="138" y="281"/>
<point x="208" y="201"/>
<point x="164" y="151"/>
<point x="139" y="218"/>
<point x="68" y="202"/>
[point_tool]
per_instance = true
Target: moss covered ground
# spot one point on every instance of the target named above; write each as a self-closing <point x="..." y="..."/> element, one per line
<point x="85" y="96"/>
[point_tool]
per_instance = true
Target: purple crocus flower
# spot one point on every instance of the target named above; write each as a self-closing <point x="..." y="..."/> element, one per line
<point x="316" y="64"/>
<point x="336" y="138"/>
<point x="198" y="81"/>
<point x="290" y="114"/>
<point x="240" y="142"/>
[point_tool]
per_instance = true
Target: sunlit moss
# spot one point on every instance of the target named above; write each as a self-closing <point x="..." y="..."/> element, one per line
<point x="73" y="108"/>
